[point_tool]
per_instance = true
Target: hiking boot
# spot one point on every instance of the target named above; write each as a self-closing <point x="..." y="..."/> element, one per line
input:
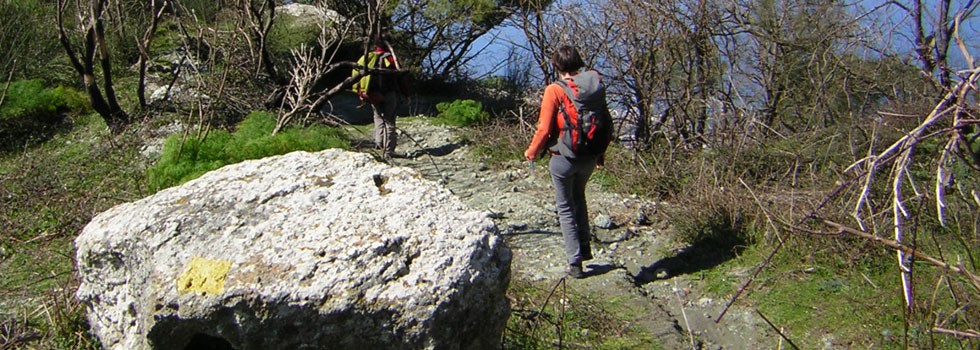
<point x="575" y="271"/>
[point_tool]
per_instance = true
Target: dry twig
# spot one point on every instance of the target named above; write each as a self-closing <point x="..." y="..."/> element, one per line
<point x="898" y="159"/>
<point x="905" y="249"/>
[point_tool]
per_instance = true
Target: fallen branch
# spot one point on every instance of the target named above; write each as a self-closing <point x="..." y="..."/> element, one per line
<point x="534" y="326"/>
<point x="969" y="333"/>
<point x="687" y="323"/>
<point x="6" y="86"/>
<point x="781" y="335"/>
<point x="765" y="262"/>
<point x="898" y="246"/>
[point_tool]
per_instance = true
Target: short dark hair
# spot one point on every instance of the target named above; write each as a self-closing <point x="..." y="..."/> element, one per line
<point x="566" y="59"/>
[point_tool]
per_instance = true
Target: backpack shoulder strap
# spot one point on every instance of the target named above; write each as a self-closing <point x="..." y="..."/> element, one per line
<point x="568" y="89"/>
<point x="384" y="60"/>
<point x="561" y="105"/>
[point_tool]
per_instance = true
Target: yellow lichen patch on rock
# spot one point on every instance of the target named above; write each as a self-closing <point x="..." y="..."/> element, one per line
<point x="204" y="276"/>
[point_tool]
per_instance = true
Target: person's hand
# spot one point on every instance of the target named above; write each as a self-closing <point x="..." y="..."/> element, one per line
<point x="529" y="155"/>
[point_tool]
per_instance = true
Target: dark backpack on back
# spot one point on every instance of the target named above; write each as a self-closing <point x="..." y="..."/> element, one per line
<point x="590" y="133"/>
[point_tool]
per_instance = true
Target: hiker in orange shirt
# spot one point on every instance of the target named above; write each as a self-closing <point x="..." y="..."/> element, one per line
<point x="570" y="168"/>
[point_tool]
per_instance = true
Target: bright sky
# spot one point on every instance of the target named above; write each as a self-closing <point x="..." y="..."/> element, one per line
<point x="893" y="31"/>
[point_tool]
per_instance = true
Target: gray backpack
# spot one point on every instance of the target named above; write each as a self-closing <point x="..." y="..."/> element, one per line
<point x="590" y="132"/>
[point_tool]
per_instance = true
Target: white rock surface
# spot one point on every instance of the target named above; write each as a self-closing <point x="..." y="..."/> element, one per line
<point x="316" y="13"/>
<point x="300" y="251"/>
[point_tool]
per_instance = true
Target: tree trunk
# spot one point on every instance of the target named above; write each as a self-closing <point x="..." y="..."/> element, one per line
<point x="95" y="48"/>
<point x="144" y="48"/>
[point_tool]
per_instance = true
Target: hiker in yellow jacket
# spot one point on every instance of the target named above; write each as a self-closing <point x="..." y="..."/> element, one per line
<point x="383" y="92"/>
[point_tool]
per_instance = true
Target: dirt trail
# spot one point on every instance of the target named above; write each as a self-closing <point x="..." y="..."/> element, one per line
<point x="638" y="261"/>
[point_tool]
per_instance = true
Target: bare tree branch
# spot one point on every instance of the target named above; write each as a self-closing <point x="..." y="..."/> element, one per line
<point x="970" y="277"/>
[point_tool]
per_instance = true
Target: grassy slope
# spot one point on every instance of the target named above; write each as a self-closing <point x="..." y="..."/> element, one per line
<point x="50" y="191"/>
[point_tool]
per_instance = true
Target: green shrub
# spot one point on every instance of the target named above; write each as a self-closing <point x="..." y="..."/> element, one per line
<point x="31" y="111"/>
<point x="461" y="113"/>
<point x="30" y="99"/>
<point x="186" y="159"/>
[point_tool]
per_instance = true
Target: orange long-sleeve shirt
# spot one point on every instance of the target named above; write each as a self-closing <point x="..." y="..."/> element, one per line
<point x="548" y="120"/>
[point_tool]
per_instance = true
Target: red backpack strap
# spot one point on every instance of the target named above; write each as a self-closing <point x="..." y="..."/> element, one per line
<point x="570" y="94"/>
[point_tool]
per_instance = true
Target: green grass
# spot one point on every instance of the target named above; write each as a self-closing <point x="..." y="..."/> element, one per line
<point x="814" y="307"/>
<point x="49" y="192"/>
<point x="545" y="316"/>
<point x="37" y="294"/>
<point x="187" y="158"/>
<point x="816" y="298"/>
<point x="33" y="268"/>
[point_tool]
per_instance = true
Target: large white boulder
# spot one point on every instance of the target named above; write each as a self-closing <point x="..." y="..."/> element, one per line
<point x="328" y="250"/>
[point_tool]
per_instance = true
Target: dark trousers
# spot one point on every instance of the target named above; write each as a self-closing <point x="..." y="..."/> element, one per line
<point x="569" y="176"/>
<point x="384" y="123"/>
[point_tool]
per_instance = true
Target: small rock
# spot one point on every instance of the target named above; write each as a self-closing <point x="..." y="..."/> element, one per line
<point x="604" y="222"/>
<point x="482" y="166"/>
<point x="661" y="273"/>
<point x="641" y="219"/>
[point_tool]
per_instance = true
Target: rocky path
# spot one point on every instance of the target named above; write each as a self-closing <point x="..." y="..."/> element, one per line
<point x="637" y="259"/>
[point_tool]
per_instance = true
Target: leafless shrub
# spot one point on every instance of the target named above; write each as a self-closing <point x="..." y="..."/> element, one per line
<point x="892" y="188"/>
<point x="309" y="66"/>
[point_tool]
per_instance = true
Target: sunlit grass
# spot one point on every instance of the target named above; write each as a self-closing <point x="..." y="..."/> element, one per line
<point x="549" y="315"/>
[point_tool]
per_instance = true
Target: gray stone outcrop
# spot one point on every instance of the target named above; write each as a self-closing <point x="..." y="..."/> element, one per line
<point x="328" y="250"/>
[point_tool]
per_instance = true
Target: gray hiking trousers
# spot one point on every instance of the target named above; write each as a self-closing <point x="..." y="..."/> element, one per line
<point x="385" y="136"/>
<point x="569" y="177"/>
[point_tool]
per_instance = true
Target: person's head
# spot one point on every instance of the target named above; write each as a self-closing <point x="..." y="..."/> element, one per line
<point x="380" y="40"/>
<point x="566" y="59"/>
